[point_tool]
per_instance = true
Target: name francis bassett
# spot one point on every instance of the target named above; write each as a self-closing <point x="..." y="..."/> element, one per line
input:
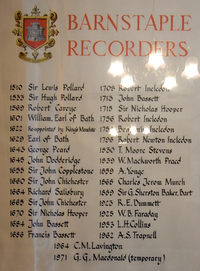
<point x="45" y="234"/>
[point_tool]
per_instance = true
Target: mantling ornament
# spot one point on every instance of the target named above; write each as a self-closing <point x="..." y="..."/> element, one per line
<point x="35" y="32"/>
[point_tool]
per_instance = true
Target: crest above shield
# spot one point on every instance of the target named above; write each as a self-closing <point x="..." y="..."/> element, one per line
<point x="35" y="32"/>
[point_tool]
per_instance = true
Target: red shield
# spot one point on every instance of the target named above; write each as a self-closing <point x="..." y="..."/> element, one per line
<point x="35" y="32"/>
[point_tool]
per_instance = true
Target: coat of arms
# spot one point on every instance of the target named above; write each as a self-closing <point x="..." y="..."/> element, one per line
<point x="35" y="32"/>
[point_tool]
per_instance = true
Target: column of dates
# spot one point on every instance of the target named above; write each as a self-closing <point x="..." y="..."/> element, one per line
<point x="107" y="161"/>
<point x="17" y="162"/>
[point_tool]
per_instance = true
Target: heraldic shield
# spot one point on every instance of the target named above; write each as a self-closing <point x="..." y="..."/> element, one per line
<point x="35" y="32"/>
